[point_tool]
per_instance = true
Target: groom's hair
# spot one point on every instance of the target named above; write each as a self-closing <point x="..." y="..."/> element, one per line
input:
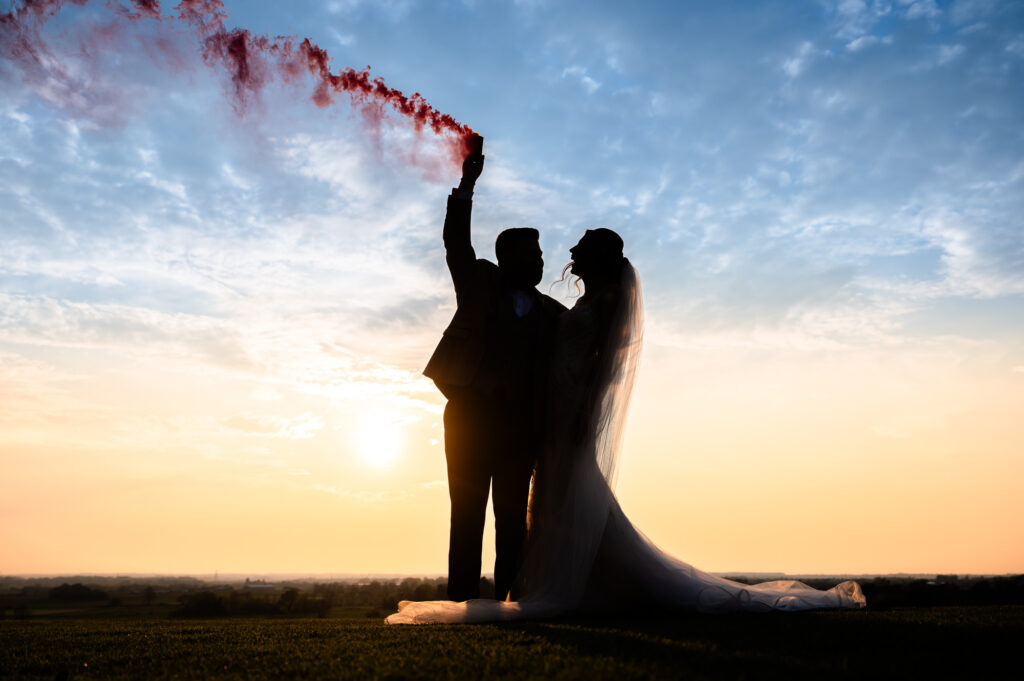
<point x="510" y="239"/>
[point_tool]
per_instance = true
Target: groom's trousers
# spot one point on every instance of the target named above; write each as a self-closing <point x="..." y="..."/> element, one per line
<point x="488" y="441"/>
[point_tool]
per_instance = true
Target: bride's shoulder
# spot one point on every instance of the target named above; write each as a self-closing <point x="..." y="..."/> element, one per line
<point x="581" y="317"/>
<point x="581" y="309"/>
<point x="552" y="305"/>
<point x="588" y="315"/>
<point x="599" y="305"/>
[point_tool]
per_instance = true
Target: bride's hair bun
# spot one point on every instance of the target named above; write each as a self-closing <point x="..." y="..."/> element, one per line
<point x="608" y="244"/>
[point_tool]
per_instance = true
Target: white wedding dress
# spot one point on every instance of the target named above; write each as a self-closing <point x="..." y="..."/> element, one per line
<point x="583" y="554"/>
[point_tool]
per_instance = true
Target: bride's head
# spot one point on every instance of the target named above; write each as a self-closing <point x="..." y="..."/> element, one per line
<point x="597" y="258"/>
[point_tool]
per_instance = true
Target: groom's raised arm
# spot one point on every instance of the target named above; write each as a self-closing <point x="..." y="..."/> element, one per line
<point x="457" y="242"/>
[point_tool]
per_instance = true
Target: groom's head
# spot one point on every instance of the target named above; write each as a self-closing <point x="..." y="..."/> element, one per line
<point x="519" y="256"/>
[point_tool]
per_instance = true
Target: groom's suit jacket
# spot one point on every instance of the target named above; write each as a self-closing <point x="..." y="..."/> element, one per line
<point x="480" y="291"/>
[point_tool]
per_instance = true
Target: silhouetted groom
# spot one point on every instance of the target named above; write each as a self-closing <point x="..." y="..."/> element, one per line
<point x="491" y="364"/>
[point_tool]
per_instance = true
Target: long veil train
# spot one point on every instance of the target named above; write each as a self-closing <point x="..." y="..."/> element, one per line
<point x="582" y="553"/>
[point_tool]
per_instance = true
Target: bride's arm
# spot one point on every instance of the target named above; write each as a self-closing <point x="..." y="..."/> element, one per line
<point x="594" y="376"/>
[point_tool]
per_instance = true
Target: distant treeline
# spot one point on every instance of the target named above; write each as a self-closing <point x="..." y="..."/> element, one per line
<point x="195" y="598"/>
<point x="319" y="599"/>
<point x="251" y="598"/>
<point x="76" y="593"/>
<point x="887" y="592"/>
<point x="241" y="603"/>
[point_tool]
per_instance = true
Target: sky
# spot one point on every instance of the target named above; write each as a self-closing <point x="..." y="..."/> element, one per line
<point x="213" y="316"/>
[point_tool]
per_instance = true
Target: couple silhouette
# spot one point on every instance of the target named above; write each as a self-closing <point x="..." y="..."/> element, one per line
<point x="537" y="398"/>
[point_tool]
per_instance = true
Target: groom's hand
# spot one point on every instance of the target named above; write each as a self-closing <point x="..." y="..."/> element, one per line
<point x="472" y="166"/>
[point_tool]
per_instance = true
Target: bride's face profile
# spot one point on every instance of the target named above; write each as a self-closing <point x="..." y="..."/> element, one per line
<point x="579" y="255"/>
<point x="596" y="254"/>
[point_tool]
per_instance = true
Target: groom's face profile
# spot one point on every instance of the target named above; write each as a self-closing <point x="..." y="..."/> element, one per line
<point x="519" y="256"/>
<point x="523" y="263"/>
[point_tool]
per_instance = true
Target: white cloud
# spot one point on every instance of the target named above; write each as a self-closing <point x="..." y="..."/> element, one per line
<point x="580" y="73"/>
<point x="301" y="427"/>
<point x="134" y="331"/>
<point x="858" y="44"/>
<point x="363" y="496"/>
<point x="231" y="176"/>
<point x="21" y="117"/>
<point x="796" y="64"/>
<point x="967" y="11"/>
<point x="175" y="189"/>
<point x="343" y="39"/>
<point x="854" y="18"/>
<point x="921" y="9"/>
<point x="1016" y="46"/>
<point x="265" y="393"/>
<point x="435" y="484"/>
<point x="396" y="9"/>
<point x="972" y="266"/>
<point x="613" y="58"/>
<point x="948" y="53"/>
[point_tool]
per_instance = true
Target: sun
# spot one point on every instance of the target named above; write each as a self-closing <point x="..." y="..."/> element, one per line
<point x="379" y="441"/>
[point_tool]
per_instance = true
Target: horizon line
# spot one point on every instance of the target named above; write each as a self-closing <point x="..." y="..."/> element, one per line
<point x="300" y="576"/>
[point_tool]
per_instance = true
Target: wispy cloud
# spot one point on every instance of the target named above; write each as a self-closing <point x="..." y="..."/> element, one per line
<point x="395" y="9"/>
<point x="300" y="427"/>
<point x="579" y="73"/>
<point x="863" y="42"/>
<point x="921" y="9"/>
<point x="948" y="53"/>
<point x="795" y="65"/>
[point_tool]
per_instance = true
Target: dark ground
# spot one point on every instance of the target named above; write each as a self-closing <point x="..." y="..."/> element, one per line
<point x="970" y="642"/>
<point x="186" y="628"/>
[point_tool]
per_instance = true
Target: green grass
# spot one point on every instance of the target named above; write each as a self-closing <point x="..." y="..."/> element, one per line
<point x="958" y="642"/>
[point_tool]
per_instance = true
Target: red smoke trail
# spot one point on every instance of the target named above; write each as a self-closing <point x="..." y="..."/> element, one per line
<point x="250" y="60"/>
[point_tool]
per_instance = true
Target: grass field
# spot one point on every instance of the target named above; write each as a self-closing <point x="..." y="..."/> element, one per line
<point x="970" y="642"/>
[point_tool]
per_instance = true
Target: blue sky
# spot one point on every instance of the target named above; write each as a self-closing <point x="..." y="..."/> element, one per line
<point x="759" y="154"/>
<point x="803" y="186"/>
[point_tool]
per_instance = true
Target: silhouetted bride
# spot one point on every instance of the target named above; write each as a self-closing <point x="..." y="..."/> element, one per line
<point x="582" y="552"/>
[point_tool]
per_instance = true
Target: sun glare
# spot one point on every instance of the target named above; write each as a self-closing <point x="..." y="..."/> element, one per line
<point x="379" y="442"/>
